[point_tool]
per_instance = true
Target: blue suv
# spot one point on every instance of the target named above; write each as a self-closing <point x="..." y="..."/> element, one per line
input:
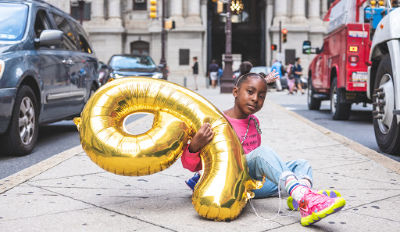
<point x="47" y="71"/>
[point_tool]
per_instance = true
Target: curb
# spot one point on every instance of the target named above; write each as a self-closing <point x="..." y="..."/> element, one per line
<point x="32" y="171"/>
<point x="363" y="150"/>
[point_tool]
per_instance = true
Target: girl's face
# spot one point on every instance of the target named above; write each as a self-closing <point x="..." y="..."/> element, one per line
<point x="250" y="95"/>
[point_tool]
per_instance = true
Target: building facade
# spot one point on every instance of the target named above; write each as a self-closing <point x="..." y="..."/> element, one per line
<point x="124" y="26"/>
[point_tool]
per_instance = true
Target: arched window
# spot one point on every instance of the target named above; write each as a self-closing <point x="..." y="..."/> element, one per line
<point x="140" y="48"/>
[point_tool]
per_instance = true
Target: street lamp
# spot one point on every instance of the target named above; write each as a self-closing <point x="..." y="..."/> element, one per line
<point x="226" y="79"/>
<point x="237" y="6"/>
<point x="81" y="5"/>
<point x="163" y="61"/>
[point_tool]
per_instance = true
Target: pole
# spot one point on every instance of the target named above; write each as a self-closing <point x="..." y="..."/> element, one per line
<point x="280" y="36"/>
<point x="81" y="5"/>
<point x="163" y="61"/>
<point x="226" y="79"/>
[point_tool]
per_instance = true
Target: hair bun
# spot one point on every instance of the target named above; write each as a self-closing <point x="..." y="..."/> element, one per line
<point x="262" y="74"/>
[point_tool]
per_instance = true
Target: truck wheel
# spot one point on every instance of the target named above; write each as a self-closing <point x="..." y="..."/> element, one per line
<point x="386" y="127"/>
<point x="339" y="111"/>
<point x="22" y="133"/>
<point x="313" y="103"/>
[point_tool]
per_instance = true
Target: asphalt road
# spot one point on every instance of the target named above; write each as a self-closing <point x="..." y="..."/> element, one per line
<point x="358" y="128"/>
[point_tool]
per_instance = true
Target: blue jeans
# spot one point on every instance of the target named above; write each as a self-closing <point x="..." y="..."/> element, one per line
<point x="263" y="161"/>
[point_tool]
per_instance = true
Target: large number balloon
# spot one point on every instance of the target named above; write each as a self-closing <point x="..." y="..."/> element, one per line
<point x="225" y="185"/>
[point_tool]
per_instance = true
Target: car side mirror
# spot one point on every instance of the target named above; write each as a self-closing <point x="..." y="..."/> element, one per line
<point x="50" y="38"/>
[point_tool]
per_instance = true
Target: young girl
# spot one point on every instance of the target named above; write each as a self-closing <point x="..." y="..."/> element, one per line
<point x="294" y="177"/>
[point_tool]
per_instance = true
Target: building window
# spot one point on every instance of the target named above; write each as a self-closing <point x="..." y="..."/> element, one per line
<point x="290" y="56"/>
<point x="139" y="4"/>
<point x="184" y="56"/>
<point x="76" y="13"/>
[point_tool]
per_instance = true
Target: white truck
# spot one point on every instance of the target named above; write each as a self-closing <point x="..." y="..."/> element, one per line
<point x="383" y="84"/>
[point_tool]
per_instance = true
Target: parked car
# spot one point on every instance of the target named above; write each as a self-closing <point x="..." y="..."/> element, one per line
<point x="134" y="65"/>
<point x="48" y="71"/>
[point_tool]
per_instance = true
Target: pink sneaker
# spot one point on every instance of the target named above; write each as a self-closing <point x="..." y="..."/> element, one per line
<point x="314" y="206"/>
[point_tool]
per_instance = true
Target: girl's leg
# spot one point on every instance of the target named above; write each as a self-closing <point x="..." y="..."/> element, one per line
<point x="263" y="161"/>
<point x="303" y="171"/>
<point x="269" y="189"/>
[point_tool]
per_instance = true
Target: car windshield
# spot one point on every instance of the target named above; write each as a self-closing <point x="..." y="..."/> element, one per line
<point x="12" y="21"/>
<point x="132" y="62"/>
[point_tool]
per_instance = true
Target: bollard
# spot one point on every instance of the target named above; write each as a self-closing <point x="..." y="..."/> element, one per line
<point x="185" y="82"/>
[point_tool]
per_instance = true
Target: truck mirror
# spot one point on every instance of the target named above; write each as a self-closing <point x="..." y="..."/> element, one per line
<point x="307" y="47"/>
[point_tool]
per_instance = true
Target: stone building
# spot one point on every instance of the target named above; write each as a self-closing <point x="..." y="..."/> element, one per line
<point x="124" y="26"/>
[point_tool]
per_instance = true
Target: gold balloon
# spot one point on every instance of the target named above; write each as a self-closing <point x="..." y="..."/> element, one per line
<point x="224" y="187"/>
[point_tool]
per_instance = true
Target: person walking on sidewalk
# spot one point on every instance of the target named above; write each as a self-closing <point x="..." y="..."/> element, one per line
<point x="290" y="77"/>
<point x="195" y="69"/>
<point x="298" y="71"/>
<point x="213" y="69"/>
<point x="277" y="67"/>
<point x="294" y="177"/>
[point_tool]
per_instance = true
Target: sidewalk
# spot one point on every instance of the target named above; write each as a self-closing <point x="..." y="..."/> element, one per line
<point x="68" y="192"/>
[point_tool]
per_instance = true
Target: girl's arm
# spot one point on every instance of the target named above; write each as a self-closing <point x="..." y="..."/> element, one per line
<point x="190" y="158"/>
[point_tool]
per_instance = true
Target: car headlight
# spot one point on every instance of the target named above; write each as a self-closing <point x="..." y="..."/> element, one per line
<point x="2" y="66"/>
<point x="157" y="76"/>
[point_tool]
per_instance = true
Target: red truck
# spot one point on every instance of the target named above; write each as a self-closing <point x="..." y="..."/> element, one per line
<point x="339" y="72"/>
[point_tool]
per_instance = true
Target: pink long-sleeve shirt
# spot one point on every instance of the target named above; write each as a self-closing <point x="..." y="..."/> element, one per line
<point x="192" y="161"/>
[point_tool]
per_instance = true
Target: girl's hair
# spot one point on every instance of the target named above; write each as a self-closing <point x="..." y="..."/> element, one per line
<point x="244" y="77"/>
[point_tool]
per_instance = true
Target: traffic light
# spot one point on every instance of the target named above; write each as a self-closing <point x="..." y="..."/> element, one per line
<point x="284" y="35"/>
<point x="153" y="9"/>
<point x="220" y="7"/>
<point x="273" y="47"/>
<point x="170" y="24"/>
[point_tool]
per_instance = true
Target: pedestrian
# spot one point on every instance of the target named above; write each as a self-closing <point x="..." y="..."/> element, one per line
<point x="294" y="177"/>
<point x="195" y="69"/>
<point x="277" y="67"/>
<point x="290" y="77"/>
<point x="220" y="73"/>
<point x="298" y="72"/>
<point x="213" y="69"/>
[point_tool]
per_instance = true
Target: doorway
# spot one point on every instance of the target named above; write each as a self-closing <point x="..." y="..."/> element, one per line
<point x="248" y="33"/>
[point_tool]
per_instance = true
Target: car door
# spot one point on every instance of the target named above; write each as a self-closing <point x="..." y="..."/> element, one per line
<point x="69" y="54"/>
<point x="85" y="72"/>
<point x="52" y="72"/>
<point x="320" y="68"/>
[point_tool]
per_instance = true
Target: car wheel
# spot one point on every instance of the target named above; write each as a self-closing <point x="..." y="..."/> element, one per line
<point x="386" y="127"/>
<point x="313" y="103"/>
<point x="339" y="110"/>
<point x="23" y="131"/>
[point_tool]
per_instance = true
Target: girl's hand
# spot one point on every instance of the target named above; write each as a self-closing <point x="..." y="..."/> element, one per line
<point x="272" y="77"/>
<point x="201" y="138"/>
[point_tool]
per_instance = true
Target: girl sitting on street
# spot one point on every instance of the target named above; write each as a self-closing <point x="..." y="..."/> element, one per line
<point x="295" y="177"/>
